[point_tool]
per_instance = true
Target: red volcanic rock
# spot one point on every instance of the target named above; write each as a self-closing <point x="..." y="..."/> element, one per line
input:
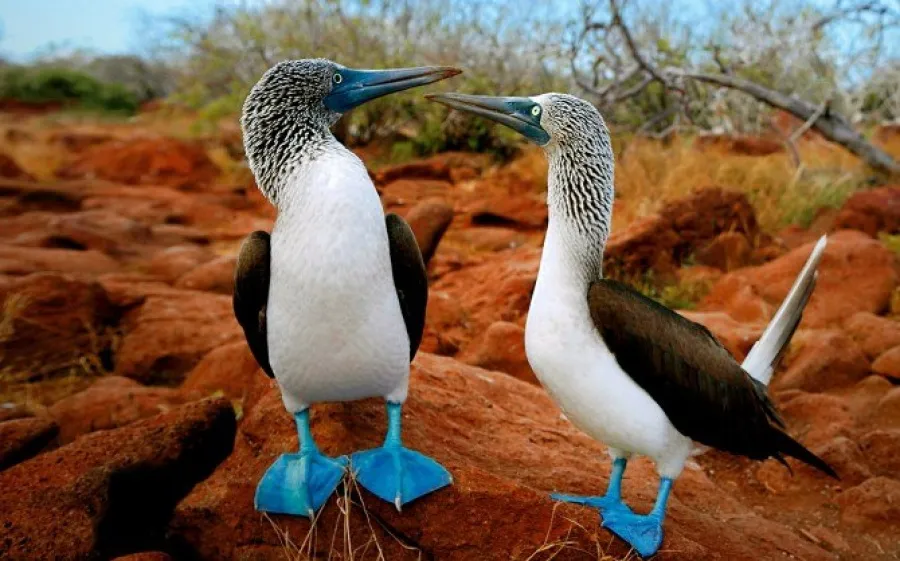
<point x="876" y="502"/>
<point x="445" y="167"/>
<point x="110" y="403"/>
<point x="54" y="325"/>
<point x="819" y="417"/>
<point x="405" y="193"/>
<point x="888" y="364"/>
<point x="467" y="301"/>
<point x="167" y="335"/>
<point x="872" y="211"/>
<point x="10" y="169"/>
<point x="145" y="161"/>
<point x="728" y="251"/>
<point x="856" y="274"/>
<point x="735" y="336"/>
<point x="230" y="369"/>
<point x="174" y="262"/>
<point x="146" y="556"/>
<point x="99" y="230"/>
<point x="887" y="412"/>
<point x="21" y="439"/>
<point x="10" y="411"/>
<point x="490" y="239"/>
<point x="502" y="347"/>
<point x="823" y="360"/>
<point x="517" y="212"/>
<point x="27" y="260"/>
<point x="19" y="197"/>
<point x="660" y="242"/>
<point x="875" y="335"/>
<point x="880" y="449"/>
<point x="78" y="141"/>
<point x="429" y="221"/>
<point x="506" y="446"/>
<point x="216" y="275"/>
<point x="887" y="131"/>
<point x="111" y="492"/>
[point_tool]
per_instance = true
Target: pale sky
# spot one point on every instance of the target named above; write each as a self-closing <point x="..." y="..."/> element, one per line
<point x="103" y="26"/>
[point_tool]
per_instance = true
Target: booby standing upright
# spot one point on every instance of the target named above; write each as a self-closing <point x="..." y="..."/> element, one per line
<point x="333" y="303"/>
<point x="624" y="369"/>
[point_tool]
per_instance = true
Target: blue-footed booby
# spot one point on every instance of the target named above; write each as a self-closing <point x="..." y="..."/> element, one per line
<point x="624" y="369"/>
<point x="333" y="302"/>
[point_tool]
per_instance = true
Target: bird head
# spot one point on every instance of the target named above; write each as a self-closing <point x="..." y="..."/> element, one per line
<point x="549" y="120"/>
<point x="292" y="106"/>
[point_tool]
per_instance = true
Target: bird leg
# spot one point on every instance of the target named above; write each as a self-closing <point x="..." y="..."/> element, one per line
<point x="611" y="501"/>
<point x="300" y="483"/>
<point x="643" y="532"/>
<point x="395" y="473"/>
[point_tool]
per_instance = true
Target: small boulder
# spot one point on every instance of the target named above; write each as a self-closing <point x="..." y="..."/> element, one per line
<point x="429" y="221"/>
<point x="822" y="360"/>
<point x="875" y="502"/>
<point x="216" y="275"/>
<point x="229" y="369"/>
<point x="110" y="493"/>
<point x="145" y="161"/>
<point x="727" y="251"/>
<point x="109" y="403"/>
<point x="887" y="412"/>
<point x="874" y="334"/>
<point x="856" y="274"/>
<point x="167" y="335"/>
<point x="21" y="439"/>
<point x="880" y="450"/>
<point x="502" y="347"/>
<point x="174" y="262"/>
<point x="20" y="261"/>
<point x="54" y="325"/>
<point x="871" y="211"/>
<point x="888" y="364"/>
<point x="9" y="169"/>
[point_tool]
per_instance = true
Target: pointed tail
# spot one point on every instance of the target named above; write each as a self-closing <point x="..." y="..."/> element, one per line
<point x="791" y="447"/>
<point x="765" y="354"/>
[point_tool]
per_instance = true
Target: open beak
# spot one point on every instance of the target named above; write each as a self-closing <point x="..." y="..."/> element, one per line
<point x="514" y="112"/>
<point x="359" y="86"/>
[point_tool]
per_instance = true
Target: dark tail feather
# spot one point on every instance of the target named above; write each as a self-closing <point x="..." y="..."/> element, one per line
<point x="791" y="447"/>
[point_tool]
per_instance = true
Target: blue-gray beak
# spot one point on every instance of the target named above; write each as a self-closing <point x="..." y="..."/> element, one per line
<point x="518" y="113"/>
<point x="355" y="87"/>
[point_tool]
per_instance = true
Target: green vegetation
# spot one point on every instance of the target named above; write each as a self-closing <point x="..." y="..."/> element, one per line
<point x="69" y="88"/>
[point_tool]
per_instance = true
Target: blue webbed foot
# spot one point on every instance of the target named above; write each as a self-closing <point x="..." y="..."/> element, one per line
<point x="299" y="484"/>
<point x="397" y="474"/>
<point x="643" y="532"/>
<point x="606" y="504"/>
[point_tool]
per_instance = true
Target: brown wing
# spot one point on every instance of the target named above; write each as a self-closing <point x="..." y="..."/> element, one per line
<point x="251" y="294"/>
<point x="410" y="278"/>
<point x="698" y="384"/>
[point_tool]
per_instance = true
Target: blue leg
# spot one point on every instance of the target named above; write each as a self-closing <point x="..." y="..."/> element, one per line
<point x="300" y="483"/>
<point x="397" y="474"/>
<point x="643" y="532"/>
<point x="608" y="503"/>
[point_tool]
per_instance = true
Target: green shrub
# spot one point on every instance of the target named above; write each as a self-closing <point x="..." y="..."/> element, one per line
<point x="68" y="87"/>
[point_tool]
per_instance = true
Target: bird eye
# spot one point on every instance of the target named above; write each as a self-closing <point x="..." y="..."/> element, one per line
<point x="536" y="110"/>
<point x="338" y="78"/>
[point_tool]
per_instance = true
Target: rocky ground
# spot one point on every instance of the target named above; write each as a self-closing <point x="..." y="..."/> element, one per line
<point x="134" y="422"/>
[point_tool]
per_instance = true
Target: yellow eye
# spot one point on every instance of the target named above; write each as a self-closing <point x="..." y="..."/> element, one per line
<point x="536" y="110"/>
<point x="338" y="78"/>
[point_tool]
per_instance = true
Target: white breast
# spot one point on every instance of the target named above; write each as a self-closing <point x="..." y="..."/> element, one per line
<point x="335" y="330"/>
<point x="579" y="372"/>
